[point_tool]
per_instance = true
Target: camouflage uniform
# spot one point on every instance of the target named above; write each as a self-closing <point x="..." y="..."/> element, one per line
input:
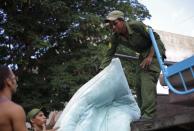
<point x="139" y="41"/>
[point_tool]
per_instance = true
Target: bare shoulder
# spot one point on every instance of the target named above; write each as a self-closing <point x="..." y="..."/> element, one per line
<point x="11" y="107"/>
<point x="13" y="116"/>
<point x="13" y="111"/>
<point x="16" y="109"/>
<point x="18" y="117"/>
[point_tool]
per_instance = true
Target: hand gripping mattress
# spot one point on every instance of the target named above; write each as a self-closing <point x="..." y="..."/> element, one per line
<point x="104" y="103"/>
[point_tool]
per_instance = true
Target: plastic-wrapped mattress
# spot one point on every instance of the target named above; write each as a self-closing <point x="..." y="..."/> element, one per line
<point x="104" y="103"/>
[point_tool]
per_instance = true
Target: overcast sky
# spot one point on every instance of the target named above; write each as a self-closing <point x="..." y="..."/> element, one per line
<point x="176" y="16"/>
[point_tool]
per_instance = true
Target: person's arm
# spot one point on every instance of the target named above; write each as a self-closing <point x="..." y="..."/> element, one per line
<point x="109" y="54"/>
<point x="148" y="60"/>
<point x="51" y="120"/>
<point x="18" y="119"/>
<point x="160" y="44"/>
<point x="54" y="129"/>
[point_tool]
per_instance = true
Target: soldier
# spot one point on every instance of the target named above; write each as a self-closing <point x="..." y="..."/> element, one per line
<point x="38" y="120"/>
<point x="134" y="35"/>
<point x="12" y="115"/>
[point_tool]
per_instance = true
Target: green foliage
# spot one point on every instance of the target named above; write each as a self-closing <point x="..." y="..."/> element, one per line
<point x="55" y="46"/>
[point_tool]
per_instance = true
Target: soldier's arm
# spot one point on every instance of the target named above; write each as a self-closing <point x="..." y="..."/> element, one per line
<point x="109" y="54"/>
<point x="18" y="118"/>
<point x="160" y="44"/>
<point x="148" y="59"/>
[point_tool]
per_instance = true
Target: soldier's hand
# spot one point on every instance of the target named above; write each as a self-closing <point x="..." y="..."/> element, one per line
<point x="52" y="117"/>
<point x="54" y="129"/>
<point x="146" y="62"/>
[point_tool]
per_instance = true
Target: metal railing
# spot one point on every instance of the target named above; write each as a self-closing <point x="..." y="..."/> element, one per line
<point x="177" y="68"/>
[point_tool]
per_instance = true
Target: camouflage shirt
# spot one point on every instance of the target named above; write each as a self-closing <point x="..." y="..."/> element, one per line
<point x="138" y="40"/>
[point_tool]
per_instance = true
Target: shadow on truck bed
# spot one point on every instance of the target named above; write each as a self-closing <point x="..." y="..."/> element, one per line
<point x="169" y="115"/>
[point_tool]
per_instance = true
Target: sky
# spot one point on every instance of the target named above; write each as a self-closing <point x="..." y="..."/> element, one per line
<point x="175" y="16"/>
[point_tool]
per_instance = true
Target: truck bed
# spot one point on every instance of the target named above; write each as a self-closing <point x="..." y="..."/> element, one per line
<point x="168" y="115"/>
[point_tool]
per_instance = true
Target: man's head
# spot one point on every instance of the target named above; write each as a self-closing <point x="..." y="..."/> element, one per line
<point x="116" y="21"/>
<point x="36" y="117"/>
<point x="7" y="79"/>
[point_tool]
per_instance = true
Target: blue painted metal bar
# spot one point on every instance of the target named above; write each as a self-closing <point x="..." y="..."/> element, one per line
<point x="174" y="69"/>
<point x="183" y="81"/>
<point x="175" y="90"/>
<point x="192" y="72"/>
<point x="180" y="66"/>
<point x="159" y="57"/>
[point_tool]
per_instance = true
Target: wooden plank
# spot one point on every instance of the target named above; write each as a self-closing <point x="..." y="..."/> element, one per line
<point x="168" y="115"/>
<point x="161" y="123"/>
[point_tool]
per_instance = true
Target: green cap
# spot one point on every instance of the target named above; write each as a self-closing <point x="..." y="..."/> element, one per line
<point x="114" y="15"/>
<point x="31" y="114"/>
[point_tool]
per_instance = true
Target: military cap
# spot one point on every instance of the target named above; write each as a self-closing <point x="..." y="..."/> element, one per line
<point x="114" y="15"/>
<point x="31" y="114"/>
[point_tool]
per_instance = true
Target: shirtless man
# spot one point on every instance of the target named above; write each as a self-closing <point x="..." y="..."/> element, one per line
<point x="12" y="115"/>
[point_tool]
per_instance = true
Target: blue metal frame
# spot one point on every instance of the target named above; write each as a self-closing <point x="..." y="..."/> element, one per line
<point x="174" y="69"/>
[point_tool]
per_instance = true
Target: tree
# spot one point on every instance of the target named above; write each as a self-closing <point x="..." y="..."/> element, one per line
<point x="55" y="46"/>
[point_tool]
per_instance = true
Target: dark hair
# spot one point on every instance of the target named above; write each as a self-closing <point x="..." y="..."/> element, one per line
<point x="121" y="19"/>
<point x="4" y="74"/>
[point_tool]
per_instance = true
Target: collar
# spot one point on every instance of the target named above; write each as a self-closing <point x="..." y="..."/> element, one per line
<point x="130" y="31"/>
